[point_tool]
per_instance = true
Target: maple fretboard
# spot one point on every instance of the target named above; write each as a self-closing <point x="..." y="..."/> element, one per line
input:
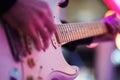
<point x="74" y="31"/>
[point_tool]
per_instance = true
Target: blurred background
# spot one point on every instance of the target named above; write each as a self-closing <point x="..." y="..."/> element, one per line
<point x="101" y="62"/>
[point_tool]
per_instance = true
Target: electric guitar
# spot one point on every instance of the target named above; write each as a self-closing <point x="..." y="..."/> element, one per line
<point x="49" y="64"/>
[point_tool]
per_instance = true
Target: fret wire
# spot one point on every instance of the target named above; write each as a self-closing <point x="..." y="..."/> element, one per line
<point x="76" y="28"/>
<point x="93" y="29"/>
<point x="63" y="32"/>
<point x="68" y="39"/>
<point x="69" y="36"/>
<point x="98" y="30"/>
<point x="60" y="32"/>
<point x="66" y="33"/>
<point x="84" y="29"/>
<point x="76" y="35"/>
<point x="88" y="27"/>
<point x="87" y="30"/>
<point x="57" y="32"/>
<point x="73" y="35"/>
<point x="65" y="28"/>
<point x="100" y="27"/>
<point x="71" y="32"/>
<point x="79" y="30"/>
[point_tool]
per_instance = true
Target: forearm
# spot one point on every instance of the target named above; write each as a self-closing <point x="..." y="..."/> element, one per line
<point x="104" y="38"/>
<point x="5" y="5"/>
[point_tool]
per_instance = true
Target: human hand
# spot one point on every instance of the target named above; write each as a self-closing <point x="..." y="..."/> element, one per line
<point x="112" y="23"/>
<point x="113" y="26"/>
<point x="31" y="17"/>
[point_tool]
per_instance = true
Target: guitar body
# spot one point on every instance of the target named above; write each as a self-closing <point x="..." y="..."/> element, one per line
<point x="39" y="65"/>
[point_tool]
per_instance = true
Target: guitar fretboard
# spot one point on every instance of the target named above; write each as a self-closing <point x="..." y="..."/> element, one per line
<point x="74" y="31"/>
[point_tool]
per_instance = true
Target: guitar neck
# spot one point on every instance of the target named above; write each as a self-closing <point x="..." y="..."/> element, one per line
<point x="74" y="31"/>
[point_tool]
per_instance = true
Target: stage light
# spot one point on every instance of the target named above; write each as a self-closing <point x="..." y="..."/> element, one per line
<point x="117" y="41"/>
<point x="115" y="57"/>
<point x="113" y="5"/>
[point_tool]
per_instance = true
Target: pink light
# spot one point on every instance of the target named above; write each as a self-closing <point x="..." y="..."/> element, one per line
<point x="113" y="4"/>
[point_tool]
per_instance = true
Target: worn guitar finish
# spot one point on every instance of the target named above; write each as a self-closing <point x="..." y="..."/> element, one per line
<point x="49" y="64"/>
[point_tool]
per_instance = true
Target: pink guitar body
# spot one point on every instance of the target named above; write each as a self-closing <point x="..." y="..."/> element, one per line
<point x="43" y="65"/>
<point x="49" y="64"/>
